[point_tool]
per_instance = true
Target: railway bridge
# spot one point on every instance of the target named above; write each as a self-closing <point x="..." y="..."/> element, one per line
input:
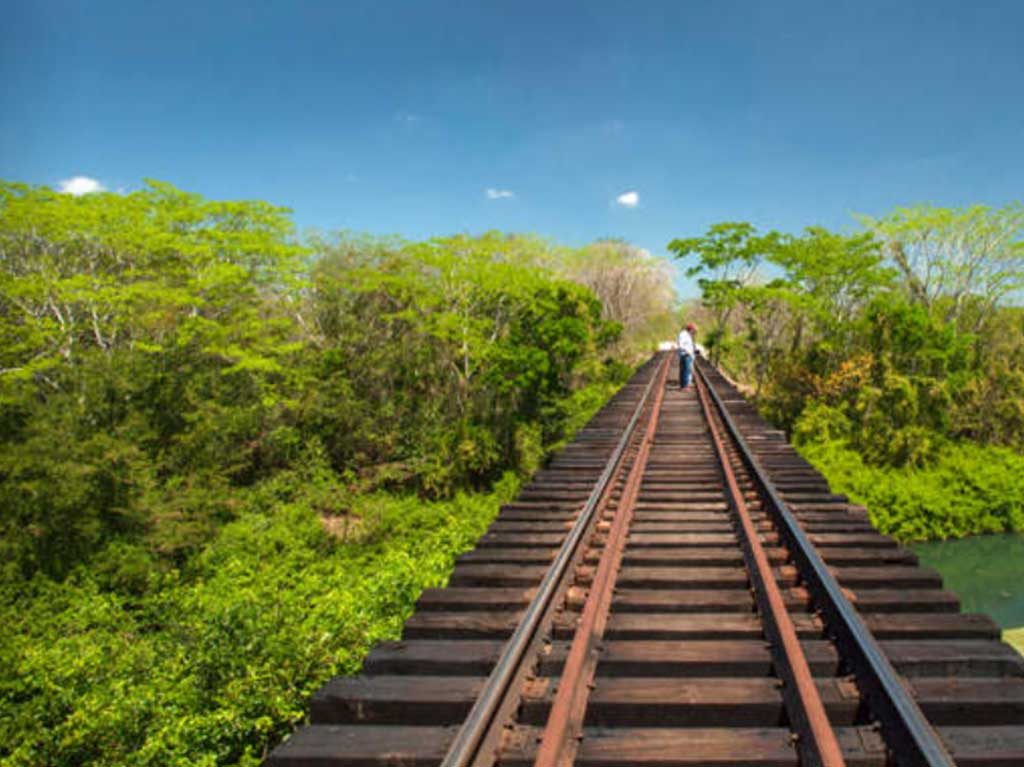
<point x="678" y="588"/>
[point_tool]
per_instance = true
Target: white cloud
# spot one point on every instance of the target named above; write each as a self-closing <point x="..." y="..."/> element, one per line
<point x="499" y="194"/>
<point x="79" y="185"/>
<point x="628" y="199"/>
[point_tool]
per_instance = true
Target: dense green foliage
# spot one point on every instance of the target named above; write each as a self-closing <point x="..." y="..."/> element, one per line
<point x="891" y="356"/>
<point x="965" y="489"/>
<point x="229" y="460"/>
<point x="215" y="662"/>
<point x="450" y="358"/>
<point x="161" y="350"/>
<point x="634" y="288"/>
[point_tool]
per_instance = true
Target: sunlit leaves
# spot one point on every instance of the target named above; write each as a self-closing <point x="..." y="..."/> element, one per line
<point x="467" y="336"/>
<point x="635" y="290"/>
<point x="949" y="255"/>
<point x="100" y="271"/>
<point x="911" y="310"/>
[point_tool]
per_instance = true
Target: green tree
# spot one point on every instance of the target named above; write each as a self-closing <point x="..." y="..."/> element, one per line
<point x="884" y="352"/>
<point x="949" y="255"/>
<point x="728" y="258"/>
<point x="472" y="342"/>
<point x="634" y="288"/>
<point x="144" y="335"/>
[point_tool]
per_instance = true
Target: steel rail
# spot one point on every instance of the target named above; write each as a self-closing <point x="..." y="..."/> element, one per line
<point x="817" y="740"/>
<point x="464" y="749"/>
<point x="565" y="719"/>
<point x="907" y="732"/>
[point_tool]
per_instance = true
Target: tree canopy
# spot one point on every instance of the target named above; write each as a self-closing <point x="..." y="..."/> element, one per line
<point x="897" y="342"/>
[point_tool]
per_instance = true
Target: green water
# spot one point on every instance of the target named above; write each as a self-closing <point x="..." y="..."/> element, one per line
<point x="985" y="571"/>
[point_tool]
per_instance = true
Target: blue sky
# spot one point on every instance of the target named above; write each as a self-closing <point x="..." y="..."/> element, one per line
<point x="397" y="117"/>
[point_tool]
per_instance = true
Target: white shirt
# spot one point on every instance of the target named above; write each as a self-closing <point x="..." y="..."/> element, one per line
<point x="685" y="342"/>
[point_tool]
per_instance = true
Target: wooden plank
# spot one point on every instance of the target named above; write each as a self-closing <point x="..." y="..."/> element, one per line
<point x="691" y="517"/>
<point x="643" y="505"/>
<point x="694" y="658"/>
<point x="958" y="657"/>
<point x="536" y="515"/>
<point x="686" y="626"/>
<point x="535" y="555"/>
<point x="642" y="535"/>
<point x="684" y="556"/>
<point x="639" y="540"/>
<point x="844" y="557"/>
<point x="689" y="485"/>
<point x="961" y="702"/>
<point x="985" y="746"/>
<point x="722" y="527"/>
<point x="416" y="700"/>
<point x="888" y="577"/>
<point x="750" y="657"/>
<point x="629" y="600"/>
<point x="853" y="540"/>
<point x="456" y="599"/>
<point x="905" y="601"/>
<point x="823" y="521"/>
<point x="464" y="657"/>
<point x="549" y="527"/>
<point x="797" y="599"/>
<point x="679" y="495"/>
<point x="632" y="576"/>
<point x="547" y="494"/>
<point x="472" y="574"/>
<point x="465" y="625"/>
<point x="833" y="556"/>
<point x="554" y="506"/>
<point x="934" y="626"/>
<point x="817" y="499"/>
<point x="693" y="747"/>
<point x="361" y="746"/>
<point x="525" y="540"/>
<point x="711" y="702"/>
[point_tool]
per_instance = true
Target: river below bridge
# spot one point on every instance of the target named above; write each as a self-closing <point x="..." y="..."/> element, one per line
<point x="985" y="571"/>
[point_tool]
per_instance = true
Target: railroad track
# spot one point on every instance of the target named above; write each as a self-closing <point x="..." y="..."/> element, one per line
<point x="678" y="587"/>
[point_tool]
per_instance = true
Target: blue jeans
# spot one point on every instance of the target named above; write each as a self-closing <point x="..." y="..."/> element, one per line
<point x="685" y="370"/>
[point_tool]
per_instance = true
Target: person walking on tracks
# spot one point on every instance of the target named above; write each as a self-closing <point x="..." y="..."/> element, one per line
<point x="687" y="351"/>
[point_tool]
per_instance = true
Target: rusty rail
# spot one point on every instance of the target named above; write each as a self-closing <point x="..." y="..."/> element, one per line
<point x="617" y="612"/>
<point x="909" y="734"/>
<point x="565" y="722"/>
<point x="817" y="741"/>
<point x="482" y="717"/>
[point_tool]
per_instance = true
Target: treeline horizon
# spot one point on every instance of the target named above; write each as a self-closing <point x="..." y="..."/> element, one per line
<point x="891" y="356"/>
<point x="207" y="337"/>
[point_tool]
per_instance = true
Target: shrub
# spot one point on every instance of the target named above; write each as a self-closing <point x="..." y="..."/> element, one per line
<point x="967" y="490"/>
